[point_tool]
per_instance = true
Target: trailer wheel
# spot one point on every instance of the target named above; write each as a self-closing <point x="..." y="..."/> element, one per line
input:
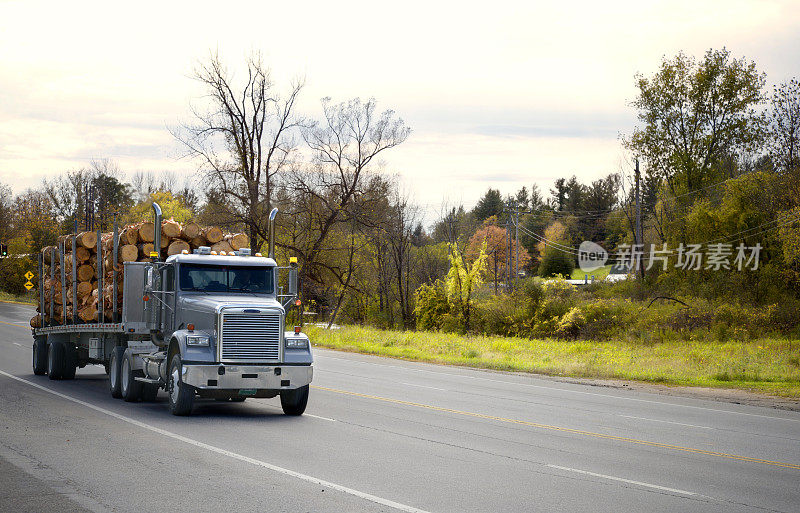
<point x="149" y="392"/>
<point x="294" y="402"/>
<point x="40" y="356"/>
<point x="130" y="388"/>
<point x="181" y="395"/>
<point x="115" y="368"/>
<point x="55" y="360"/>
<point x="70" y="361"/>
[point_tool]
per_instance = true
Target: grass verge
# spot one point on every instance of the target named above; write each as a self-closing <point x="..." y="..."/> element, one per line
<point x="769" y="366"/>
<point x="599" y="274"/>
<point x="29" y="298"/>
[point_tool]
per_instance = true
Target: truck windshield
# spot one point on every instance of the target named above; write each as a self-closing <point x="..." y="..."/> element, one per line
<point x="215" y="278"/>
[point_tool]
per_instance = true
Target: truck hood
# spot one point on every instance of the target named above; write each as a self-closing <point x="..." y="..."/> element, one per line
<point x="208" y="303"/>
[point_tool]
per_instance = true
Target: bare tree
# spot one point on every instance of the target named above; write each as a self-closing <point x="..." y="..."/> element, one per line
<point x="243" y="140"/>
<point x="345" y="145"/>
<point x="785" y="125"/>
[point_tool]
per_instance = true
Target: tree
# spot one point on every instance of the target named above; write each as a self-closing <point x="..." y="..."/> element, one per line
<point x="338" y="188"/>
<point x="462" y="281"/>
<point x="171" y="207"/>
<point x="695" y="114"/>
<point x="492" y="240"/>
<point x="491" y="204"/>
<point x="784" y="120"/>
<point x="243" y="141"/>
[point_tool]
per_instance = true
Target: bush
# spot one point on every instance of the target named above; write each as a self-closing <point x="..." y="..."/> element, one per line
<point x="12" y="274"/>
<point x="556" y="262"/>
<point x="431" y="306"/>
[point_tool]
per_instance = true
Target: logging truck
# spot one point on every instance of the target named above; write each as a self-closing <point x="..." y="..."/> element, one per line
<point x="199" y="323"/>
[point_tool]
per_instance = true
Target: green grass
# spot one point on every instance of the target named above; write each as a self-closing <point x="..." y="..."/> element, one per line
<point x="28" y="298"/>
<point x="769" y="366"/>
<point x="598" y="274"/>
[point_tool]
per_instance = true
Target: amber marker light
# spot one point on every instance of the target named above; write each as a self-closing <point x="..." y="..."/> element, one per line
<point x="297" y="330"/>
<point x="190" y="327"/>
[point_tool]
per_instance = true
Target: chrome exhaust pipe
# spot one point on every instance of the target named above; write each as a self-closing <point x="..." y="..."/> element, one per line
<point x="157" y="228"/>
<point x="272" y="232"/>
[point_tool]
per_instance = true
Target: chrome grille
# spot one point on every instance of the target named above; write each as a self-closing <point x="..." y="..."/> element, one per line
<point x="250" y="337"/>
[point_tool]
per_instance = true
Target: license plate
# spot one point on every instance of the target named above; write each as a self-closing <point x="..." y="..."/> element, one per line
<point x="247" y="391"/>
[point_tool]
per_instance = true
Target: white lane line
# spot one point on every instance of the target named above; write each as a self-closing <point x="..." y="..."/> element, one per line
<point x="318" y="417"/>
<point x="665" y="422"/>
<point x="421" y="386"/>
<point x="650" y="401"/>
<point x="363" y="495"/>
<point x="623" y="480"/>
<point x="17" y="344"/>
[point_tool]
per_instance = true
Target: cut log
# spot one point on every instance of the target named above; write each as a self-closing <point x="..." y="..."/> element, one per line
<point x="129" y="235"/>
<point x="82" y="254"/>
<point x="177" y="246"/>
<point x="127" y="253"/>
<point x="198" y="241"/>
<point x="36" y="321"/>
<point x="221" y="246"/>
<point x="47" y="252"/>
<point x="84" y="289"/>
<point x="147" y="232"/>
<point x="190" y="231"/>
<point x="238" y="241"/>
<point x="88" y="313"/>
<point x="87" y="240"/>
<point x="85" y="272"/>
<point x="145" y="250"/>
<point x="171" y="228"/>
<point x="212" y="234"/>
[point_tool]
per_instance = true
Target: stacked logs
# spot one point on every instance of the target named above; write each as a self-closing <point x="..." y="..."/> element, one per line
<point x="136" y="243"/>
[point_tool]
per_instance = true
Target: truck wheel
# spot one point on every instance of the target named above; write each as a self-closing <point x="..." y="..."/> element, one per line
<point x="130" y="389"/>
<point x="149" y="392"/>
<point x="294" y="402"/>
<point x="55" y="360"/>
<point x="115" y="369"/>
<point x="70" y="361"/>
<point x="40" y="356"/>
<point x="181" y="395"/>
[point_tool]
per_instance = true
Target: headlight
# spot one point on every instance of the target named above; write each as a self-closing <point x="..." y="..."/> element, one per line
<point x="195" y="340"/>
<point x="296" y="343"/>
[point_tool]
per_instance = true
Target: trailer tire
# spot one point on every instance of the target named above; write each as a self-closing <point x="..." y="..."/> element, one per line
<point x="149" y="392"/>
<point x="130" y="389"/>
<point x="55" y="360"/>
<point x="40" y="356"/>
<point x="114" y="370"/>
<point x="294" y="402"/>
<point x="181" y="395"/>
<point x="70" y="361"/>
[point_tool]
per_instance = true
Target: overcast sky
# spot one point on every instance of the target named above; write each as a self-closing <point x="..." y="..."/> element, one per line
<point x="499" y="94"/>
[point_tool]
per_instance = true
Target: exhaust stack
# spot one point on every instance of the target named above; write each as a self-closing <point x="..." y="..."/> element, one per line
<point x="272" y="232"/>
<point x="157" y="228"/>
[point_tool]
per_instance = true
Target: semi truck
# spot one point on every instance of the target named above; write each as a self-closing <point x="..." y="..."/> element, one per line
<point x="197" y="324"/>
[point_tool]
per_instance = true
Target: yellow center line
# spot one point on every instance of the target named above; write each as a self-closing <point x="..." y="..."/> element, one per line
<point x="17" y="302"/>
<point x="14" y="324"/>
<point x="567" y="430"/>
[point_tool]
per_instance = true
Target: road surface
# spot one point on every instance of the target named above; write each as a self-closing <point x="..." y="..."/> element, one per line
<point x="386" y="435"/>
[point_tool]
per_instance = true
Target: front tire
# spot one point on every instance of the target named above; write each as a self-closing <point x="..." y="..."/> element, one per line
<point x="130" y="389"/>
<point x="181" y="395"/>
<point x="55" y="360"/>
<point x="294" y="402"/>
<point x="114" y="371"/>
<point x="40" y="356"/>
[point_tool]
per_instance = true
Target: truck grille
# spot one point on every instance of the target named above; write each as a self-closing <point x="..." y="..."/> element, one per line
<point x="250" y="337"/>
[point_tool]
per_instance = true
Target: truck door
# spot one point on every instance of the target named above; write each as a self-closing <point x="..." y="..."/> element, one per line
<point x="168" y="298"/>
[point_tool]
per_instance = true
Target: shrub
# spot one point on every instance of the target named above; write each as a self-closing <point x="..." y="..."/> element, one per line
<point x="431" y="306"/>
<point x="556" y="262"/>
<point x="12" y="271"/>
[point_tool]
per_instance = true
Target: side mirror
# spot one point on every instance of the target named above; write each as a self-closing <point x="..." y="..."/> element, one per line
<point x="293" y="282"/>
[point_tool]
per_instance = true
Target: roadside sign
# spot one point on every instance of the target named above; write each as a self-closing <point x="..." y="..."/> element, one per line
<point x="28" y="285"/>
<point x="28" y="275"/>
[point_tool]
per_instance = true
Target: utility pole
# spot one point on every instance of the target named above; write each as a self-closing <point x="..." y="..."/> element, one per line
<point x="639" y="239"/>
<point x="516" y="261"/>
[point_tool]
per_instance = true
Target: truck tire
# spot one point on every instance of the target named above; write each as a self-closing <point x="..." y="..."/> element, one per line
<point x="149" y="392"/>
<point x="114" y="371"/>
<point x="294" y="402"/>
<point x="70" y="361"/>
<point x="55" y="360"/>
<point x="130" y="389"/>
<point x="181" y="395"/>
<point x="40" y="356"/>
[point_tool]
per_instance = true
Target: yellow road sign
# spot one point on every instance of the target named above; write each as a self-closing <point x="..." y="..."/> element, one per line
<point x="28" y="285"/>
<point x="28" y="275"/>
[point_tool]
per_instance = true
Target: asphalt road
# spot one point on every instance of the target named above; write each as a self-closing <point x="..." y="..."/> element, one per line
<point x="386" y="435"/>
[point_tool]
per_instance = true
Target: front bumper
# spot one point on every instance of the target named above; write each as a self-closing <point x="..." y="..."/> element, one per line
<point x="247" y="377"/>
